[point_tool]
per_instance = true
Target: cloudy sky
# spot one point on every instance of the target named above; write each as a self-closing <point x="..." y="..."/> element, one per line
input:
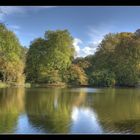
<point x="87" y="24"/>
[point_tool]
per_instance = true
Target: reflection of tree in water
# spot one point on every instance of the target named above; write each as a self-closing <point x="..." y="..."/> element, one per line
<point x="51" y="109"/>
<point x="11" y="104"/>
<point x="118" y="110"/>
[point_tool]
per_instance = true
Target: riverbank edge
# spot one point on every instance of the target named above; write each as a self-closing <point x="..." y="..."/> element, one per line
<point x="60" y="85"/>
<point x="6" y="85"/>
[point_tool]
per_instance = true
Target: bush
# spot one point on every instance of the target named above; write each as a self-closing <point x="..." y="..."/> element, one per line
<point x="50" y="77"/>
<point x="3" y="85"/>
<point x="75" y="75"/>
<point x="102" y="78"/>
<point x="27" y="85"/>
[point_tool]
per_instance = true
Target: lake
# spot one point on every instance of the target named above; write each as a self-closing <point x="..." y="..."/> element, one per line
<point x="69" y="110"/>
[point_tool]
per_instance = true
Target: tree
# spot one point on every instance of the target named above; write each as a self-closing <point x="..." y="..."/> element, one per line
<point x="137" y="32"/>
<point x="60" y="49"/>
<point x="127" y="54"/>
<point x="35" y="57"/>
<point x="119" y="53"/>
<point x="11" y="63"/>
<point x="103" y="78"/>
<point x="54" y="53"/>
<point x="75" y="75"/>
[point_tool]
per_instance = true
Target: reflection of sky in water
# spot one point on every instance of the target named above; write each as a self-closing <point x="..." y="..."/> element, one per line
<point x="116" y="110"/>
<point x="84" y="120"/>
<point x="85" y="90"/>
<point x="24" y="126"/>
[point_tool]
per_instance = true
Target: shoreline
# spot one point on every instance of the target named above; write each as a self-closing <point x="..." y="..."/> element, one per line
<point x="60" y="85"/>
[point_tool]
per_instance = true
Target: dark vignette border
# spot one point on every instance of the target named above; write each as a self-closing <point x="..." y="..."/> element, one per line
<point x="70" y="2"/>
<point x="66" y="137"/>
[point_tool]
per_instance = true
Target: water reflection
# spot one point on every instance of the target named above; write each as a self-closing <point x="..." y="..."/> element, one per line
<point x="84" y="120"/>
<point x="24" y="126"/>
<point x="52" y="110"/>
<point x="119" y="110"/>
<point x="79" y="110"/>
<point x="11" y="105"/>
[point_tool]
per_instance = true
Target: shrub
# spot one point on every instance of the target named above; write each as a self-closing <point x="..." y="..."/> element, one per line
<point x="102" y="78"/>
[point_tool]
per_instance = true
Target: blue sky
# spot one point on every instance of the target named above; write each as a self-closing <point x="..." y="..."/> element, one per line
<point x="87" y="24"/>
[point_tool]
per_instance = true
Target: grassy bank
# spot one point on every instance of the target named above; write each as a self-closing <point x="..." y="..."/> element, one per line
<point x="43" y="85"/>
<point x="5" y="85"/>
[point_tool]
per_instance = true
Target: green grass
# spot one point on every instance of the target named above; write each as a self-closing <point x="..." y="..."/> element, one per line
<point x="3" y="85"/>
<point x="27" y="85"/>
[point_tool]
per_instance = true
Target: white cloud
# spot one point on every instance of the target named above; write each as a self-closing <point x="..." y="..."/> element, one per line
<point x="99" y="30"/>
<point x="76" y="43"/>
<point x="90" y="48"/>
<point x="20" y="10"/>
<point x="95" y="35"/>
<point x="8" y="10"/>
<point x="87" y="50"/>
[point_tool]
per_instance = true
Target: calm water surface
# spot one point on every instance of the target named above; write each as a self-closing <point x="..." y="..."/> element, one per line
<point x="73" y="110"/>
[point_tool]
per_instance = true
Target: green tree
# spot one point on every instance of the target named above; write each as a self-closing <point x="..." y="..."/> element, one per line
<point x="85" y="64"/>
<point x="127" y="56"/>
<point x="35" y="57"/>
<point x="102" y="78"/>
<point x="48" y="56"/>
<point x="120" y="54"/>
<point x="11" y="63"/>
<point x="75" y="75"/>
<point x="60" y="49"/>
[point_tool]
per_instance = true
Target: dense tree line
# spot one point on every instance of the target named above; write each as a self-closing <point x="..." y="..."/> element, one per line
<point x="11" y="57"/>
<point x="119" y="55"/>
<point x="49" y="57"/>
<point x="117" y="60"/>
<point x="51" y="60"/>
